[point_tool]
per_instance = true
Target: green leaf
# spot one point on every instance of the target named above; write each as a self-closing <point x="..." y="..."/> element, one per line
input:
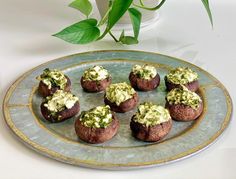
<point x="118" y="8"/>
<point x="135" y="17"/>
<point x="83" y="32"/>
<point x="207" y="7"/>
<point x="84" y="6"/>
<point x="122" y="35"/>
<point x="128" y="40"/>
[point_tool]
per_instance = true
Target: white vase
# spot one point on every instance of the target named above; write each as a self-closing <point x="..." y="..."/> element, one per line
<point x="148" y="17"/>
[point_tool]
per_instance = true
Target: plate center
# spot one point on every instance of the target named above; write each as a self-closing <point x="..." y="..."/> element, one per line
<point x="120" y="71"/>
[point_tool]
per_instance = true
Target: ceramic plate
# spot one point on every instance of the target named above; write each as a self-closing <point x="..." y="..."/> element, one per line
<point x="59" y="141"/>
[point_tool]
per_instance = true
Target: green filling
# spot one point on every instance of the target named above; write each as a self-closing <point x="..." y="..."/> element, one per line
<point x="119" y="92"/>
<point x="182" y="75"/>
<point x="146" y="72"/>
<point x="98" y="117"/>
<point x="150" y="114"/>
<point x="60" y="101"/>
<point x="96" y="73"/>
<point x="53" y="78"/>
<point x="184" y="96"/>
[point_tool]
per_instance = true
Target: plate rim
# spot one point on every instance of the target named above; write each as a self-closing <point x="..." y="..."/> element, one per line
<point x="52" y="154"/>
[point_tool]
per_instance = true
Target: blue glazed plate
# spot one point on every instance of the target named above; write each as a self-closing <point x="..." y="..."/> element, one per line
<point x="59" y="141"/>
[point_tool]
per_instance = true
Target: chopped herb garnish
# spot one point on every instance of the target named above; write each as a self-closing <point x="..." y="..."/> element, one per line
<point x="181" y="75"/>
<point x="119" y="92"/>
<point x="98" y="117"/>
<point x="184" y="96"/>
<point x="150" y="114"/>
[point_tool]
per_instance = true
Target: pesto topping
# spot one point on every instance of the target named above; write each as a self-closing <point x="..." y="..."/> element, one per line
<point x="182" y="75"/>
<point x="60" y="101"/>
<point x="96" y="73"/>
<point x="146" y="72"/>
<point x="98" y="117"/>
<point x="53" y="78"/>
<point x="119" y="92"/>
<point x="150" y="114"/>
<point x="184" y="96"/>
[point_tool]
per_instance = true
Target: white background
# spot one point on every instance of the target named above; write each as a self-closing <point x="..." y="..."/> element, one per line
<point x="182" y="31"/>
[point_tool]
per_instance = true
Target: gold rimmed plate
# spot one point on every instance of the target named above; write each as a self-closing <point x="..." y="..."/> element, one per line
<point x="59" y="141"/>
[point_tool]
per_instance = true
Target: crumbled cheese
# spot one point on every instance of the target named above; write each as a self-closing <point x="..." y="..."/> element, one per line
<point x="98" y="117"/>
<point x="96" y="73"/>
<point x="119" y="92"/>
<point x="150" y="114"/>
<point x="146" y="72"/>
<point x="182" y="75"/>
<point x="59" y="101"/>
<point x="53" y="78"/>
<point x="184" y="96"/>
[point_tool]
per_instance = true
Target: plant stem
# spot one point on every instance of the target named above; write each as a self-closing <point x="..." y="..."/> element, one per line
<point x="150" y="8"/>
<point x="141" y="2"/>
<point x="116" y="40"/>
<point x="104" y="18"/>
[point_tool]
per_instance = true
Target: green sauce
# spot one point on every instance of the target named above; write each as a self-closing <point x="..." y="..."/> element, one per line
<point x="60" y="101"/>
<point x="146" y="72"/>
<point x="53" y="78"/>
<point x="96" y="73"/>
<point x="119" y="92"/>
<point x="184" y="96"/>
<point x="182" y="75"/>
<point x="150" y="114"/>
<point x="98" y="117"/>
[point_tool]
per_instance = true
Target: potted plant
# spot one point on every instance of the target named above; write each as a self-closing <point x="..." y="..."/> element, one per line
<point x="89" y="29"/>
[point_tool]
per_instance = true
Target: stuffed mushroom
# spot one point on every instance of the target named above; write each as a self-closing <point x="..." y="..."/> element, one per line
<point x="183" y="104"/>
<point x="121" y="97"/>
<point x="51" y="81"/>
<point x="151" y="122"/>
<point x="97" y="125"/>
<point x="144" y="78"/>
<point x="60" y="106"/>
<point x="182" y="76"/>
<point x="95" y="79"/>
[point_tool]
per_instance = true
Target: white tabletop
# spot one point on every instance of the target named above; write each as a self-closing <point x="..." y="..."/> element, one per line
<point x="182" y="31"/>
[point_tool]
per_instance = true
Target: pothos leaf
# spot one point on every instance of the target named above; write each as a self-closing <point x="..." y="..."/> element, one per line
<point x="135" y="17"/>
<point x="118" y="8"/>
<point x="128" y="40"/>
<point x="84" y="6"/>
<point x="83" y="32"/>
<point x="207" y="7"/>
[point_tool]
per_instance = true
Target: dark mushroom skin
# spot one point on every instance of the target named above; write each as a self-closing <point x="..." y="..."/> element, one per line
<point x="125" y="106"/>
<point x="192" y="86"/>
<point x="97" y="135"/>
<point x="45" y="91"/>
<point x="181" y="112"/>
<point x="64" y="115"/>
<point x="95" y="86"/>
<point x="150" y="133"/>
<point x="144" y="84"/>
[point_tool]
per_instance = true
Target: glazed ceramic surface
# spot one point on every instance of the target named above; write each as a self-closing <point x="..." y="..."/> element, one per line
<point x="58" y="141"/>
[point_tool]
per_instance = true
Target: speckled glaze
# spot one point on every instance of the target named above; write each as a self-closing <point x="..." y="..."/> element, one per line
<point x="59" y="141"/>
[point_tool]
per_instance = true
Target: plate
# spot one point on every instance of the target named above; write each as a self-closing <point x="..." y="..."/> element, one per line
<point x="59" y="141"/>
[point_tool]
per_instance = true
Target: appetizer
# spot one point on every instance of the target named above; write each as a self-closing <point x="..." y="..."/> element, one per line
<point x="183" y="104"/>
<point x="60" y="106"/>
<point x="144" y="78"/>
<point x="95" y="79"/>
<point x="151" y="122"/>
<point x="182" y="76"/>
<point x="51" y="81"/>
<point x="97" y="125"/>
<point x="121" y="97"/>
